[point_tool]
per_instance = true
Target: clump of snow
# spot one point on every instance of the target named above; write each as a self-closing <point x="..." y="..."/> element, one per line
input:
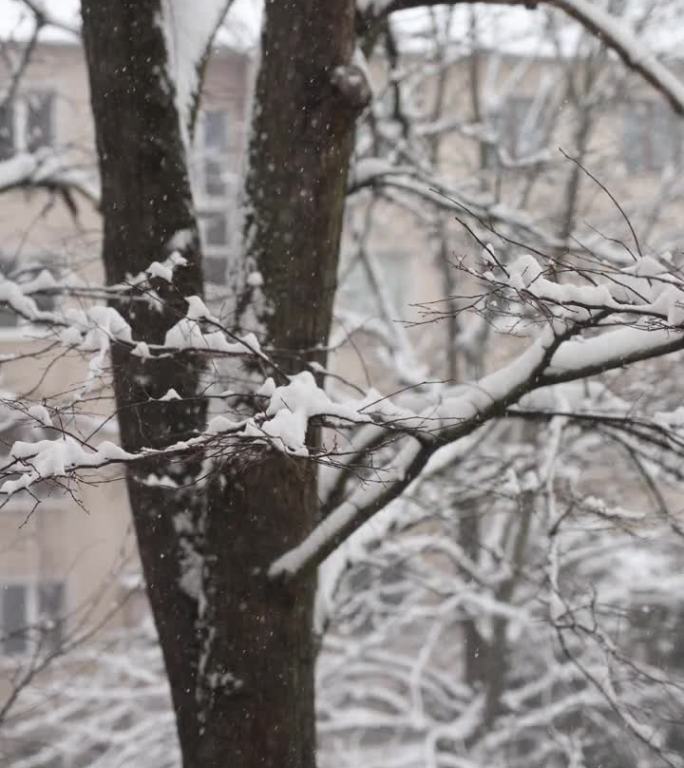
<point x="17" y="169"/>
<point x="181" y="240"/>
<point x="105" y="324"/>
<point x="267" y="388"/>
<point x="369" y="168"/>
<point x="191" y="566"/>
<point x="55" y="458"/>
<point x="197" y="309"/>
<point x="142" y="350"/>
<point x="41" y="414"/>
<point x="162" y="271"/>
<point x="70" y="337"/>
<point x="524" y="271"/>
<point x="159" y="481"/>
<point x="170" y="395"/>
<point x="12" y="294"/>
<point x="293" y="404"/>
<point x="219" y="424"/>
<point x="647" y="284"/>
<point x="187" y="333"/>
<point x="671" y="419"/>
<point x="255" y="279"/>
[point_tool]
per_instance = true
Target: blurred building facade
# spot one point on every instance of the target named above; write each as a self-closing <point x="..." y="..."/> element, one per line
<point x="71" y="560"/>
<point x="72" y="563"/>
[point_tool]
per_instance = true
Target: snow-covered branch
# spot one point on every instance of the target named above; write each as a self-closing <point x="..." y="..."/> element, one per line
<point x="47" y="170"/>
<point x="604" y="25"/>
<point x="559" y="354"/>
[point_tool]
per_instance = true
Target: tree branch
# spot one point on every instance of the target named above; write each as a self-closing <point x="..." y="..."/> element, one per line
<point x="605" y="26"/>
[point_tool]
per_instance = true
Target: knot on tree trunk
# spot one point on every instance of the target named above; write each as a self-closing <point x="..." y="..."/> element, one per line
<point x="350" y="82"/>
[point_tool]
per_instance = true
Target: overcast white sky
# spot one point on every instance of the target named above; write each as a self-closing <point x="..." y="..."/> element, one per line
<point x="506" y="26"/>
<point x="14" y="20"/>
<point x="244" y="17"/>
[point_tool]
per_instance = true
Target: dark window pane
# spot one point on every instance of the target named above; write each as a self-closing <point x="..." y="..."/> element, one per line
<point x="216" y="230"/>
<point x="51" y="613"/>
<point x="665" y="137"/>
<point x="8" y="318"/>
<point x="14" y="618"/>
<point x="356" y="286"/>
<point x="651" y="137"/>
<point x="215" y="130"/>
<point x="519" y="128"/>
<point x="634" y="139"/>
<point x="489" y="156"/>
<point x="46" y="302"/>
<point x="39" y="120"/>
<point x="6" y="131"/>
<point x="214" y="178"/>
<point x="524" y="127"/>
<point x="215" y="269"/>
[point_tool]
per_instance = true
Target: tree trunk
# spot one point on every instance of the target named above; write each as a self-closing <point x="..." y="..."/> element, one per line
<point x="308" y="95"/>
<point x="258" y="667"/>
<point x="146" y="201"/>
<point x="238" y="648"/>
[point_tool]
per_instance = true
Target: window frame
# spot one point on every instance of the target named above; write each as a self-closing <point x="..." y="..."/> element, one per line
<point x="206" y="156"/>
<point x="644" y="156"/>
<point x="32" y="616"/>
<point x="19" y="110"/>
<point x="355" y="288"/>
<point x="508" y="123"/>
<point x="219" y="201"/>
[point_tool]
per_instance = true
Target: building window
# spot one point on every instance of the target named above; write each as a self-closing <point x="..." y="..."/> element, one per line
<point x="30" y="615"/>
<point x="14" y="618"/>
<point x="6" y="131"/>
<point x="212" y="153"/>
<point x="520" y="130"/>
<point x="652" y="136"/>
<point x="27" y="123"/>
<point x="215" y="237"/>
<point x="215" y="228"/>
<point x="50" y="605"/>
<point x="8" y="318"/>
<point x="215" y="191"/>
<point x="215" y="129"/>
<point x="360" y="293"/>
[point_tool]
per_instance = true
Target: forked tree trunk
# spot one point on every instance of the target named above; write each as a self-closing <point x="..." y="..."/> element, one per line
<point x="238" y="648"/>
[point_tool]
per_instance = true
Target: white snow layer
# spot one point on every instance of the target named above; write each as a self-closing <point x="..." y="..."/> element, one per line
<point x="188" y="27"/>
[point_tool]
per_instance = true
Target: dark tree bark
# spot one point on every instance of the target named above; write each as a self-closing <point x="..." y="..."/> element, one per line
<point x="239" y="650"/>
<point x="307" y="98"/>
<point x="146" y="201"/>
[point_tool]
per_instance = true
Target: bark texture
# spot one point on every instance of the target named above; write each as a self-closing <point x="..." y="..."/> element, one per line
<point x="238" y="648"/>
<point x="308" y="95"/>
<point x="146" y="202"/>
